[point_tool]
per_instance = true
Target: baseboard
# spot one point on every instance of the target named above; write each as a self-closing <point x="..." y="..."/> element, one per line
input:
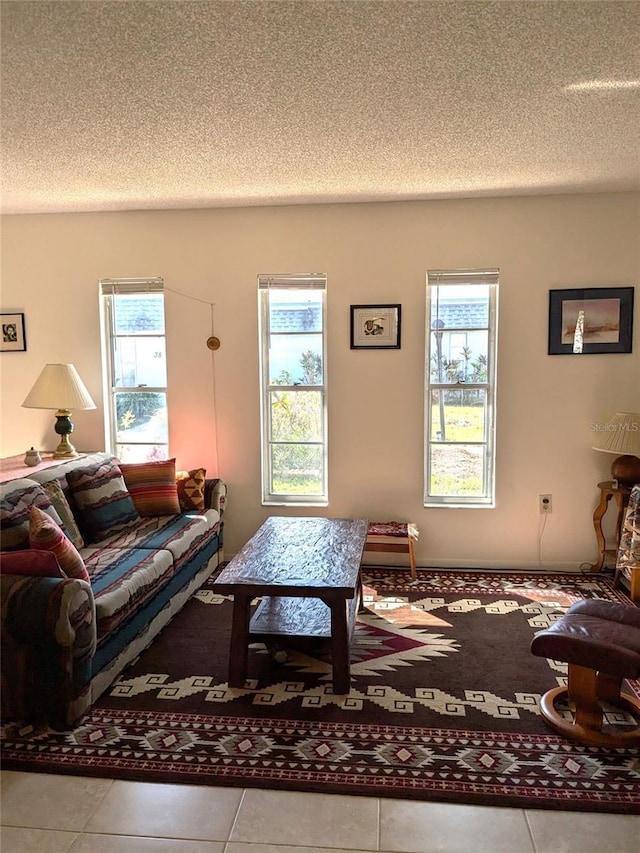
<point x="505" y="566"/>
<point x="489" y="565"/>
<point x="486" y="565"/>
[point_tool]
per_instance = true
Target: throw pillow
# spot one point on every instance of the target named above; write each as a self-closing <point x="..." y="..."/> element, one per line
<point x="46" y="535"/>
<point x="191" y="489"/>
<point x="61" y="506"/>
<point x="152" y="485"/>
<point x="17" y="497"/>
<point x="102" y="498"/>
<point x="34" y="563"/>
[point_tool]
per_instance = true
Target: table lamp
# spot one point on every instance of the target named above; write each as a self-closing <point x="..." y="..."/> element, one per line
<point x="621" y="436"/>
<point x="59" y="387"/>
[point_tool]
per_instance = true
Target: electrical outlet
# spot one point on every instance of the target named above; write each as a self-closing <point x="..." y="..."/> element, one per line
<point x="545" y="504"/>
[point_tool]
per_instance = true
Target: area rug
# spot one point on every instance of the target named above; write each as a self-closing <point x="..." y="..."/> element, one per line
<point x="443" y="705"/>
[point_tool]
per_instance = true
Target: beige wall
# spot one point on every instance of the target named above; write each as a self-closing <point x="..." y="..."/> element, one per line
<point x="371" y="253"/>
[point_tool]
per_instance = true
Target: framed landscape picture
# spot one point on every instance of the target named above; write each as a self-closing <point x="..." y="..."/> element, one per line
<point x="12" y="337"/>
<point x="593" y="320"/>
<point x="375" y="326"/>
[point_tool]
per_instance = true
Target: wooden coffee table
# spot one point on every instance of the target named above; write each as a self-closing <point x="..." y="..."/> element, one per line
<point x="307" y="572"/>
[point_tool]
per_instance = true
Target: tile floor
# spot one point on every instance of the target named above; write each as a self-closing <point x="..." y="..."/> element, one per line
<point x="43" y="813"/>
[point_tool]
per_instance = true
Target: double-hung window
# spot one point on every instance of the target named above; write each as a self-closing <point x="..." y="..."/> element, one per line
<point x="292" y="322"/>
<point x="460" y="399"/>
<point x="134" y="368"/>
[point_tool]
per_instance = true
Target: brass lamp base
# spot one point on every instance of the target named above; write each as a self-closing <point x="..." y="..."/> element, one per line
<point x="64" y="427"/>
<point x="65" y="450"/>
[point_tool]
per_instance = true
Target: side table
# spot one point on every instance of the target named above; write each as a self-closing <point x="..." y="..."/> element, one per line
<point x="609" y="489"/>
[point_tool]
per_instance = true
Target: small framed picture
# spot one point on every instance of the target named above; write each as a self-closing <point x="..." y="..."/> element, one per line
<point x="375" y="326"/>
<point x="595" y="320"/>
<point x="12" y="337"/>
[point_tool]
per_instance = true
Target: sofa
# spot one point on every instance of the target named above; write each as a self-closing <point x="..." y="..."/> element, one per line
<point x="628" y="559"/>
<point x="96" y="558"/>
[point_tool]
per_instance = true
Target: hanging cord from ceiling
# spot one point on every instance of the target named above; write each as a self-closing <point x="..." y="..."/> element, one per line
<point x="213" y="344"/>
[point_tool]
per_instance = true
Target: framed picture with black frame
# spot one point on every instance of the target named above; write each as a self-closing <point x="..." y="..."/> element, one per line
<point x="375" y="326"/>
<point x="12" y="336"/>
<point x="589" y="321"/>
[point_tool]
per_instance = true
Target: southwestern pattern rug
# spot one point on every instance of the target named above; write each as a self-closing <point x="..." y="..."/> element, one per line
<point x="443" y="705"/>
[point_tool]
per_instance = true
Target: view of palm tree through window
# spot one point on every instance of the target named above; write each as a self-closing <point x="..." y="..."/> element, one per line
<point x="460" y="390"/>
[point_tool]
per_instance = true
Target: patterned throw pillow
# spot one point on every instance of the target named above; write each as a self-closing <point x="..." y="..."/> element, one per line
<point x="16" y="498"/>
<point x="152" y="485"/>
<point x="42" y="564"/>
<point x="191" y="489"/>
<point x="102" y="498"/>
<point x="46" y="535"/>
<point x="61" y="506"/>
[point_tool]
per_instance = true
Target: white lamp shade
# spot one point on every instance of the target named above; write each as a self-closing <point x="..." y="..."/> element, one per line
<point x="59" y="387"/>
<point x="621" y="435"/>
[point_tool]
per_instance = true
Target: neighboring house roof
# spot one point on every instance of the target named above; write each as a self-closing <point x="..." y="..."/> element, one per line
<point x="461" y="313"/>
<point x="296" y="318"/>
<point x="139" y="314"/>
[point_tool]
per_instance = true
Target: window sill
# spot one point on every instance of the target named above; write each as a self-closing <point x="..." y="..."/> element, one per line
<point x="295" y="503"/>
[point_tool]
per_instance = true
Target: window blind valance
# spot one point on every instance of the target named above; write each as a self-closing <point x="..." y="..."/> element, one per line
<point x="312" y="281"/>
<point x="490" y="276"/>
<point x="121" y="286"/>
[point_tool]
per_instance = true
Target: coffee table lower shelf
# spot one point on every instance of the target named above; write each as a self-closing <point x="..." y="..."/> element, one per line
<point x="278" y="617"/>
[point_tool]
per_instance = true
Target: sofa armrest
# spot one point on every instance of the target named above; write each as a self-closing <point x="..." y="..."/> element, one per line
<point x="215" y="495"/>
<point x="48" y="639"/>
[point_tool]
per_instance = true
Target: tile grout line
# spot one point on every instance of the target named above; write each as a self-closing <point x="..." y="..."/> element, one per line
<point x="534" y="846"/>
<point x="236" y="816"/>
<point x="98" y="803"/>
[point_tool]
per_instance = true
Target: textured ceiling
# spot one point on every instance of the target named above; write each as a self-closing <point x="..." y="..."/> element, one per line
<point x="150" y="105"/>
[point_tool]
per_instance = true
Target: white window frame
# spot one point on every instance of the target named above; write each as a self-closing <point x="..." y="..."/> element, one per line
<point x="292" y="282"/>
<point x="108" y="289"/>
<point x="442" y="278"/>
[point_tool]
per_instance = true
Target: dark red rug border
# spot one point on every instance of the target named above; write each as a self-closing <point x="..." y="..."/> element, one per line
<point x="322" y="780"/>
